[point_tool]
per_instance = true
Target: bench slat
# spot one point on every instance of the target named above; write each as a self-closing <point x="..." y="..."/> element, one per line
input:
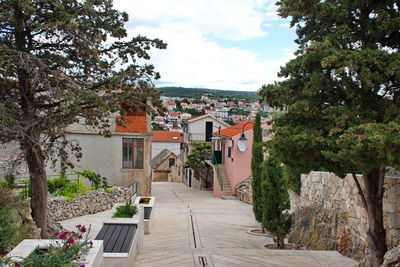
<point x="128" y="239"/>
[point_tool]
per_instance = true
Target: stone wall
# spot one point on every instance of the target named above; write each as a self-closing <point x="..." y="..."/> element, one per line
<point x="96" y="201"/>
<point x="329" y="214"/>
<point x="244" y="191"/>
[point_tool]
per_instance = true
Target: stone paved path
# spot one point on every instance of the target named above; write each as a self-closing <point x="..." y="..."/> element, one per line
<point x="192" y="228"/>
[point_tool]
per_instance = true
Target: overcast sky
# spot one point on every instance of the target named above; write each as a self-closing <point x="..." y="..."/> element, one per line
<point x="217" y="44"/>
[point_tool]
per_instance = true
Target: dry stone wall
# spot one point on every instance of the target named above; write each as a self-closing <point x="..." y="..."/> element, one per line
<point x="95" y="201"/>
<point x="329" y="214"/>
<point x="244" y="191"/>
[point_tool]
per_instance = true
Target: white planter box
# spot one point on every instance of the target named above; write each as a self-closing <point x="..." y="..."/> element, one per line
<point x="147" y="222"/>
<point x="94" y="258"/>
<point x="112" y="259"/>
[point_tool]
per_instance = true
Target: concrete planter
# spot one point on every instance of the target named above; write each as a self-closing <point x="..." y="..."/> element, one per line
<point x="113" y="259"/>
<point x="94" y="258"/>
<point x="148" y="210"/>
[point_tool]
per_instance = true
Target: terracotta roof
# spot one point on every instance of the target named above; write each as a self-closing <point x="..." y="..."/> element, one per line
<point x="133" y="124"/>
<point x="235" y="129"/>
<point x="166" y="136"/>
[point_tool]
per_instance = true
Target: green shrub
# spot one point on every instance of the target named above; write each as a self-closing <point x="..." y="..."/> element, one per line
<point x="96" y="179"/>
<point x="56" y="184"/>
<point x="66" y="250"/>
<point x="125" y="211"/>
<point x="72" y="189"/>
<point x="292" y="179"/>
<point x="13" y="224"/>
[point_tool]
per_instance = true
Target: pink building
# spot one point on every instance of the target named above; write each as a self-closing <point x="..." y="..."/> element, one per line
<point x="232" y="157"/>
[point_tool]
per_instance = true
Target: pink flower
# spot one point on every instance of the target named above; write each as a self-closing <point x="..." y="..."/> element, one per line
<point x="56" y="233"/>
<point x="17" y="264"/>
<point x="82" y="265"/>
<point x="91" y="243"/>
<point x="62" y="236"/>
<point x="80" y="236"/>
<point x="70" y="240"/>
<point x="83" y="229"/>
<point x="78" y="226"/>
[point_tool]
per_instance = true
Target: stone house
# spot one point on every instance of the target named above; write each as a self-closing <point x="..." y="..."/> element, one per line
<point x="123" y="158"/>
<point x="167" y="167"/>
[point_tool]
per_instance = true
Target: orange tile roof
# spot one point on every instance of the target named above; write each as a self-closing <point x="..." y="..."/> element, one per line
<point x="133" y="124"/>
<point x="235" y="129"/>
<point x="166" y="136"/>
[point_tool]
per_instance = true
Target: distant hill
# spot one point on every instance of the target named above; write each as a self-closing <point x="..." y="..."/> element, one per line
<point x="198" y="92"/>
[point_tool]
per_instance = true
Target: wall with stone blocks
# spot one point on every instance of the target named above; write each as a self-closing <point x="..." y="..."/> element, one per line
<point x="95" y="201"/>
<point x="329" y="214"/>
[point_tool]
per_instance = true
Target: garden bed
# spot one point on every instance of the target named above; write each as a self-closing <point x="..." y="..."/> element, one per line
<point x="94" y="258"/>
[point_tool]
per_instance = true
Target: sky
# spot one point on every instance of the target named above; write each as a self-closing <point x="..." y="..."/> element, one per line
<point x="216" y="44"/>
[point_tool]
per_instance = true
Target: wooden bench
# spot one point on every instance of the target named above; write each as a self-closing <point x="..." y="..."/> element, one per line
<point x="117" y="238"/>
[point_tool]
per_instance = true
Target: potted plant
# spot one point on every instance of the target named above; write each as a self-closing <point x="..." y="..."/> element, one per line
<point x="64" y="249"/>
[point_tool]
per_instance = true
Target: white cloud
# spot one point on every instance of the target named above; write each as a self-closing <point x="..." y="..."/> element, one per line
<point x="192" y="60"/>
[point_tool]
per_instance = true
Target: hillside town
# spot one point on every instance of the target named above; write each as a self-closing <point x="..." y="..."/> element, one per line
<point x="231" y="111"/>
<point x="199" y="134"/>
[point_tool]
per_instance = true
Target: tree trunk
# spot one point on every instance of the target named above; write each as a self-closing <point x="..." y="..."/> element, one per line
<point x="37" y="172"/>
<point x="376" y="234"/>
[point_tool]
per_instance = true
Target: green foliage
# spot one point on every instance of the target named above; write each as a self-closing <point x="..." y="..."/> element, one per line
<point x="195" y="112"/>
<point x="61" y="186"/>
<point x="96" y="179"/>
<point x="292" y="179"/>
<point x="276" y="201"/>
<point x="198" y="156"/>
<point x="7" y="184"/>
<point x="198" y="92"/>
<point x="341" y="98"/>
<point x="56" y="184"/>
<point x="256" y="161"/>
<point x="157" y="127"/>
<point x="13" y="224"/>
<point x="66" y="250"/>
<point x="125" y="211"/>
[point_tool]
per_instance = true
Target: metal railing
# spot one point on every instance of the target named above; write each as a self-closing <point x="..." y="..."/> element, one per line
<point x="215" y="162"/>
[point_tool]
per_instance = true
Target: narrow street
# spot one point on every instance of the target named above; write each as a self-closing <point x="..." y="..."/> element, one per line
<point x="192" y="228"/>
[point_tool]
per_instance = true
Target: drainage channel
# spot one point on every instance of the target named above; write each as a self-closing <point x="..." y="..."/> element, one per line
<point x="192" y="224"/>
<point x="203" y="261"/>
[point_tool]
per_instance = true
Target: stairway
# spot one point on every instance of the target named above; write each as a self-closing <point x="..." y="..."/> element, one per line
<point x="227" y="190"/>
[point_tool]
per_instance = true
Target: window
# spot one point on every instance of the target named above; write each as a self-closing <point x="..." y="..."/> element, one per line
<point x="171" y="162"/>
<point x="132" y="153"/>
<point x="265" y="132"/>
<point x="229" y="152"/>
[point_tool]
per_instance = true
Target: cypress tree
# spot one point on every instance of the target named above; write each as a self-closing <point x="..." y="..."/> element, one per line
<point x="275" y="200"/>
<point x="256" y="161"/>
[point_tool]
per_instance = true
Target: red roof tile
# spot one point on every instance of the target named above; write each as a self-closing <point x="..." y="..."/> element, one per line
<point x="133" y="124"/>
<point x="166" y="136"/>
<point x="235" y="129"/>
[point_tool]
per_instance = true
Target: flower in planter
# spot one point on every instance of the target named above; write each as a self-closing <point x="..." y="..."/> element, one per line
<point x="66" y="250"/>
<point x="144" y="200"/>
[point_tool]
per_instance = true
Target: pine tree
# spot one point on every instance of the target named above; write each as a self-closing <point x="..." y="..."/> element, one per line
<point x="256" y="161"/>
<point x="275" y="200"/>
<point x="58" y="66"/>
<point x="341" y="98"/>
